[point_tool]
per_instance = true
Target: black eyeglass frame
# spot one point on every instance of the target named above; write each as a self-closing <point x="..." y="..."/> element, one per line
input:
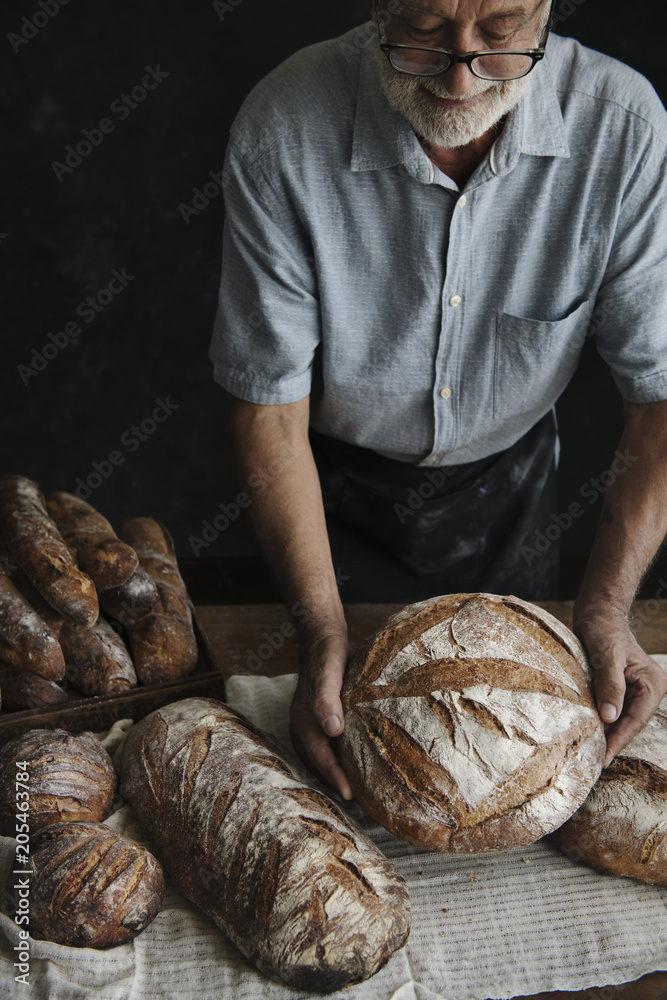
<point x="463" y="57"/>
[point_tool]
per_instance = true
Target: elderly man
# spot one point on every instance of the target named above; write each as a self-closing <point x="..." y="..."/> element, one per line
<point x="425" y="219"/>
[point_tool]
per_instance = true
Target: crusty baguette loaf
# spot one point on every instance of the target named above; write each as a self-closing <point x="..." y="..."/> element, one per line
<point x="89" y="887"/>
<point x="470" y="724"/>
<point x="21" y="691"/>
<point x="163" y="641"/>
<point x="70" y="778"/>
<point x="131" y="600"/>
<point x="621" y="829"/>
<point x="97" y="659"/>
<point x="38" y="547"/>
<point x="98" y="551"/>
<point x="26" y="641"/>
<point x="297" y="886"/>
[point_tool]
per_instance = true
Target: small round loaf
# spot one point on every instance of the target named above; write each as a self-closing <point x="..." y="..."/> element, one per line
<point x="89" y="887"/>
<point x="621" y="829"/>
<point x="470" y="724"/>
<point x="66" y="778"/>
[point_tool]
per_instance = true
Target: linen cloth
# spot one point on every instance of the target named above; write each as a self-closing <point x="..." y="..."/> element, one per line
<point x="486" y="926"/>
<point x="430" y="325"/>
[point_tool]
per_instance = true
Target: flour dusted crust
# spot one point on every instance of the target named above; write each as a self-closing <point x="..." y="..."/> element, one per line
<point x="99" y="552"/>
<point x="70" y="778"/>
<point x="163" y="640"/>
<point x="470" y="724"/>
<point x="90" y="887"/>
<point x="621" y="828"/>
<point x="38" y="547"/>
<point x="27" y="642"/>
<point x="131" y="600"/>
<point x="98" y="661"/>
<point x="298" y="887"/>
<point x="21" y="691"/>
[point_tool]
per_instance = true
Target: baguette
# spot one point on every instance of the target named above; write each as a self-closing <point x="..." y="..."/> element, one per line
<point x="132" y="599"/>
<point x="97" y="659"/>
<point x="98" y="551"/>
<point x="297" y="886"/>
<point x="26" y="641"/>
<point x="38" y="547"/>
<point x="21" y="691"/>
<point x="163" y="641"/>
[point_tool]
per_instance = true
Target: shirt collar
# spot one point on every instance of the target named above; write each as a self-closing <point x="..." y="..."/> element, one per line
<point x="383" y="138"/>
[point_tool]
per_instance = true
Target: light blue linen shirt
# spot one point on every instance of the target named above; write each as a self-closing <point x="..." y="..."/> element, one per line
<point x="435" y="325"/>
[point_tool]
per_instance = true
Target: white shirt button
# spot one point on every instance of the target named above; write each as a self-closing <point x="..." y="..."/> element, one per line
<point x="445" y="392"/>
<point x="455" y="301"/>
<point x="462" y="202"/>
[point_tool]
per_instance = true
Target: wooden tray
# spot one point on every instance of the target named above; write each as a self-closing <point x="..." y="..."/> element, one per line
<point x="100" y="713"/>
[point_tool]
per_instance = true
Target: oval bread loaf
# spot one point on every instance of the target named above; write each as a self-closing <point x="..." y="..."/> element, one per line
<point x="301" y="890"/>
<point x="38" y="547"/>
<point x="470" y="724"/>
<point x="89" y="887"/>
<point x="621" y="829"/>
<point x="69" y="778"/>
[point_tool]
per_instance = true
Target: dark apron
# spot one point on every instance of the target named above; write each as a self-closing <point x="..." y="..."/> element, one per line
<point x="401" y="532"/>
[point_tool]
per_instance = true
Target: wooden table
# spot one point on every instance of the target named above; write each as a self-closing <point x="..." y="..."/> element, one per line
<point x="259" y="638"/>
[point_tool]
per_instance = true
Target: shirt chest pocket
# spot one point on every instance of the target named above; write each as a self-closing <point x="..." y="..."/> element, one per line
<point x="534" y="360"/>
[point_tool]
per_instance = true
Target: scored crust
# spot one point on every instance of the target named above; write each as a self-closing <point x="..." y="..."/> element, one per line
<point x="297" y="886"/>
<point x="470" y="724"/>
<point x="621" y="828"/>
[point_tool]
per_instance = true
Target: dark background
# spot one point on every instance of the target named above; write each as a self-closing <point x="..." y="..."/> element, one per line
<point x="123" y="206"/>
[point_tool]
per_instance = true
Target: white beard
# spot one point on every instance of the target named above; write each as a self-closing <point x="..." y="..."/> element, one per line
<point x="448" y="127"/>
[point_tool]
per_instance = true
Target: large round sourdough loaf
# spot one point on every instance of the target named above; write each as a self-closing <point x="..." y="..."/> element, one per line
<point x="295" y="884"/>
<point x="621" y="828"/>
<point x="470" y="724"/>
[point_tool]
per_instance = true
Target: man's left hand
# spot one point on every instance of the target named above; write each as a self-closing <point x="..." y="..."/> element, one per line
<point x="629" y="685"/>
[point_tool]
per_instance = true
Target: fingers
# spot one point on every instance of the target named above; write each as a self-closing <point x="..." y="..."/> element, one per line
<point x="317" y="712"/>
<point x="609" y="665"/>
<point x="315" y="750"/>
<point x="629" y="685"/>
<point x="646" y="685"/>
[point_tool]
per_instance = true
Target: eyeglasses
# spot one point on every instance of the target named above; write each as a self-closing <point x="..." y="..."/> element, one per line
<point x="487" y="64"/>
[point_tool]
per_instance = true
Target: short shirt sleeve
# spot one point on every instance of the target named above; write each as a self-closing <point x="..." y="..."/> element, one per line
<point x="630" y="319"/>
<point x="267" y="324"/>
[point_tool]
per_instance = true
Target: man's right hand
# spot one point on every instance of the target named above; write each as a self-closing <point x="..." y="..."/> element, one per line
<point x="276" y="465"/>
<point x="316" y="713"/>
